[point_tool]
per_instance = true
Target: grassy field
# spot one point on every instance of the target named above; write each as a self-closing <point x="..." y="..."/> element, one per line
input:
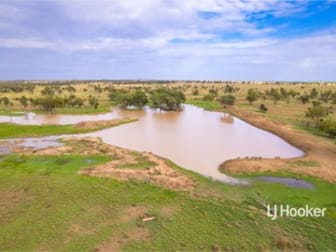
<point x="10" y="130"/>
<point x="46" y="205"/>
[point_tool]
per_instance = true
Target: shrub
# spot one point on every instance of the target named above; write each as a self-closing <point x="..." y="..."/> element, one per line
<point x="263" y="108"/>
<point x="227" y="100"/>
<point x="329" y="127"/>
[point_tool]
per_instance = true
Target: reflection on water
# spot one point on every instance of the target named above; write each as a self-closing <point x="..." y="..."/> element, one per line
<point x="38" y="119"/>
<point x="196" y="139"/>
<point x="227" y="118"/>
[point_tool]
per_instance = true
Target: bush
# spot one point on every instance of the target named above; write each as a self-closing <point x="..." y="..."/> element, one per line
<point x="227" y="100"/>
<point x="252" y="95"/>
<point x="263" y="108"/>
<point x="167" y="99"/>
<point x="316" y="113"/>
<point x="329" y="127"/>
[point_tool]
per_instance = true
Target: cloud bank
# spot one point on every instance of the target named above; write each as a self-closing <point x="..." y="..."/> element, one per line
<point x="167" y="39"/>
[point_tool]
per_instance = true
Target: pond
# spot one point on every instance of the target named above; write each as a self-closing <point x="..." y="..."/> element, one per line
<point x="195" y="139"/>
<point x="39" y="119"/>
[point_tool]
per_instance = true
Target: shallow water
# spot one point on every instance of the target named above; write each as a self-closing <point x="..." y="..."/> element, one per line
<point x="39" y="119"/>
<point x="195" y="139"/>
<point x="291" y="182"/>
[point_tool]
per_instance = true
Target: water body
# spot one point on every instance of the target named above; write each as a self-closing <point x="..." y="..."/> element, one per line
<point x="39" y="119"/>
<point x="291" y="182"/>
<point x="195" y="139"/>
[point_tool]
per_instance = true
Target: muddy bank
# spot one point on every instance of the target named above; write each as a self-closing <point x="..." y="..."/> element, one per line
<point x="319" y="159"/>
<point x="125" y="165"/>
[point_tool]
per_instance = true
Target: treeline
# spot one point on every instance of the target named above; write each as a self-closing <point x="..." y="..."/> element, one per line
<point x="160" y="98"/>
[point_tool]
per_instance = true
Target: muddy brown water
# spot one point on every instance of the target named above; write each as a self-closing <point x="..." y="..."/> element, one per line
<point x="39" y="119"/>
<point x="195" y="139"/>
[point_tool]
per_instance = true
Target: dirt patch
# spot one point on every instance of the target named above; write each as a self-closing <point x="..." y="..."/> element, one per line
<point x="318" y="150"/>
<point x="160" y="173"/>
<point x="93" y="125"/>
<point x="133" y="213"/>
<point x="137" y="234"/>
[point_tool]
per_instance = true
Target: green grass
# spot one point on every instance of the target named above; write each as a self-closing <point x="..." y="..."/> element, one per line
<point x="9" y="130"/>
<point x="11" y="113"/>
<point x="103" y="108"/>
<point x="46" y="205"/>
<point x="207" y="105"/>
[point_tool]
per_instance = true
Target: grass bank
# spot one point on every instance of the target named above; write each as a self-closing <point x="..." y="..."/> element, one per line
<point x="79" y="212"/>
<point x="207" y="105"/>
<point x="9" y="130"/>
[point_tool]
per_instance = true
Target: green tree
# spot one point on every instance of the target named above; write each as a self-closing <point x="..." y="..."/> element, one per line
<point x="329" y="127"/>
<point x="304" y="98"/>
<point x="275" y="95"/>
<point x="316" y="113"/>
<point x="227" y="100"/>
<point x="313" y="93"/>
<point x="5" y="100"/>
<point x="263" y="108"/>
<point x="167" y="99"/>
<point x="23" y="101"/>
<point x="48" y="91"/>
<point x="93" y="101"/>
<point x="252" y="95"/>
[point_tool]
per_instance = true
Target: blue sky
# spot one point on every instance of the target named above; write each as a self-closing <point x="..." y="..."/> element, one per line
<point x="168" y="39"/>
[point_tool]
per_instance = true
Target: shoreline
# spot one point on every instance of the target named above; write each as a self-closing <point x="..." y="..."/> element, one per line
<point x="318" y="160"/>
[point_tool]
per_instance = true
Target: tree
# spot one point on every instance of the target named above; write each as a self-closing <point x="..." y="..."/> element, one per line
<point x="167" y="99"/>
<point x="139" y="98"/>
<point x="263" y="108"/>
<point x="48" y="103"/>
<point x="135" y="98"/>
<point x="329" y="127"/>
<point x="283" y="92"/>
<point x="252" y="95"/>
<point x="316" y="113"/>
<point x="304" y="98"/>
<point x="228" y="89"/>
<point x="5" y="100"/>
<point x="23" y="101"/>
<point x="275" y="95"/>
<point x="195" y="92"/>
<point x="326" y="96"/>
<point x="48" y="91"/>
<point x="227" y="100"/>
<point x="93" y="101"/>
<point x="313" y="93"/>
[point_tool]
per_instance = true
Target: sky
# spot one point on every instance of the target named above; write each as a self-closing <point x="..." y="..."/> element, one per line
<point x="261" y="40"/>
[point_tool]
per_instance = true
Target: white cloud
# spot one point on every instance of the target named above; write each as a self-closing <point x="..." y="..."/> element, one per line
<point x="152" y="16"/>
<point x="170" y="35"/>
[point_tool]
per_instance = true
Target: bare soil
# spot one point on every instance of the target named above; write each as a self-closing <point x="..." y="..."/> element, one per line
<point x="161" y="173"/>
<point x="319" y="159"/>
<point x="92" y="125"/>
